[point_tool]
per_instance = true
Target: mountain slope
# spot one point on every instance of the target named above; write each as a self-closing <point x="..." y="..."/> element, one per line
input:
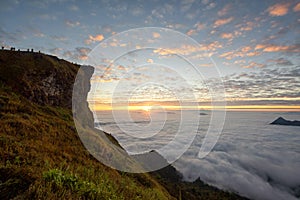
<point x="41" y="154"/>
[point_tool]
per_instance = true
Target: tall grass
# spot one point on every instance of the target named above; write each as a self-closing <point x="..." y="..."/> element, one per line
<point x="41" y="157"/>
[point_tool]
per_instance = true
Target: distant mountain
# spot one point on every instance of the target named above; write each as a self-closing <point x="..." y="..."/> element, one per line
<point x="282" y="121"/>
<point x="41" y="155"/>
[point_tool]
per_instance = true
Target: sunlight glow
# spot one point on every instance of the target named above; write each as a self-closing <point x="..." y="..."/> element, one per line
<point x="147" y="108"/>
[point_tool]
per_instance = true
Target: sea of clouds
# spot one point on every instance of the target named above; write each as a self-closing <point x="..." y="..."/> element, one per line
<point x="251" y="158"/>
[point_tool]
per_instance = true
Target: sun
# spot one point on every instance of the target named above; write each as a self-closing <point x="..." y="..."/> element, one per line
<point x="146" y="108"/>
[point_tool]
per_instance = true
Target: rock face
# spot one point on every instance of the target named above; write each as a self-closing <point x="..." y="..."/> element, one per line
<point x="282" y="121"/>
<point x="81" y="88"/>
<point x="41" y="78"/>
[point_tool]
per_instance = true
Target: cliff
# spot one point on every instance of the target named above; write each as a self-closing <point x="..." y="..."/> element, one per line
<point x="40" y="78"/>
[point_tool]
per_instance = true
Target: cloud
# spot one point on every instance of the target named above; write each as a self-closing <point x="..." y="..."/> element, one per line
<point x="248" y="26"/>
<point x="136" y="11"/>
<point x="278" y="48"/>
<point x="221" y="22"/>
<point x="77" y="55"/>
<point x="56" y="51"/>
<point x="149" y="60"/>
<point x="246" y="49"/>
<point x="243" y="52"/>
<point x="279" y="9"/>
<point x="155" y="35"/>
<point x="199" y="26"/>
<point x="74" y="8"/>
<point x="48" y="17"/>
<point x="176" y="26"/>
<point x="224" y="10"/>
<point x="227" y="35"/>
<point x="233" y="159"/>
<point x="38" y="33"/>
<point x="191" y="32"/>
<point x="206" y="65"/>
<point x="189" y="50"/>
<point x="59" y="38"/>
<point x="205" y="2"/>
<point x="121" y="67"/>
<point x="264" y="83"/>
<point x="230" y="36"/>
<point x="72" y="23"/>
<point x="96" y="38"/>
<point x="253" y="65"/>
<point x="297" y="8"/>
<point x="11" y="36"/>
<point x="281" y="62"/>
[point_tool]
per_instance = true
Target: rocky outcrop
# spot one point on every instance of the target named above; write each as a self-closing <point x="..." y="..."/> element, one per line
<point x="81" y="88"/>
<point x="42" y="79"/>
<point x="282" y="121"/>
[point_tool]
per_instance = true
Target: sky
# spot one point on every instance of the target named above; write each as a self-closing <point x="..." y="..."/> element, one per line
<point x="255" y="46"/>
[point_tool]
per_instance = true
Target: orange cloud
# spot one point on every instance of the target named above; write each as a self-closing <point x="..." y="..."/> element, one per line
<point x="228" y="55"/>
<point x="278" y="48"/>
<point x="248" y="26"/>
<point x="254" y="53"/>
<point x="244" y="52"/>
<point x="156" y="35"/>
<point x="260" y="46"/>
<point x="254" y="64"/>
<point x="149" y="60"/>
<point x="224" y="10"/>
<point x="188" y="49"/>
<point x="230" y="36"/>
<point x="83" y="57"/>
<point x="227" y="35"/>
<point x="99" y="37"/>
<point x="121" y="67"/>
<point x="246" y="49"/>
<point x="191" y="32"/>
<point x="238" y="62"/>
<point x="199" y="26"/>
<point x="279" y="9"/>
<point x="95" y="38"/>
<point x="206" y="65"/>
<point x="297" y="8"/>
<point x="221" y="22"/>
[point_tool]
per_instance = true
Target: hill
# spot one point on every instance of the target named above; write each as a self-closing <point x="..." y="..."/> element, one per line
<point x="282" y="121"/>
<point x="41" y="155"/>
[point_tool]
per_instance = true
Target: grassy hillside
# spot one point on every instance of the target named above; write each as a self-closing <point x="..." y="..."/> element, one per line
<point x="41" y="155"/>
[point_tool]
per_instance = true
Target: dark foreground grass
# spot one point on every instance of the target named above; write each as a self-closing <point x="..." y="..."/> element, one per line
<point x="41" y="157"/>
